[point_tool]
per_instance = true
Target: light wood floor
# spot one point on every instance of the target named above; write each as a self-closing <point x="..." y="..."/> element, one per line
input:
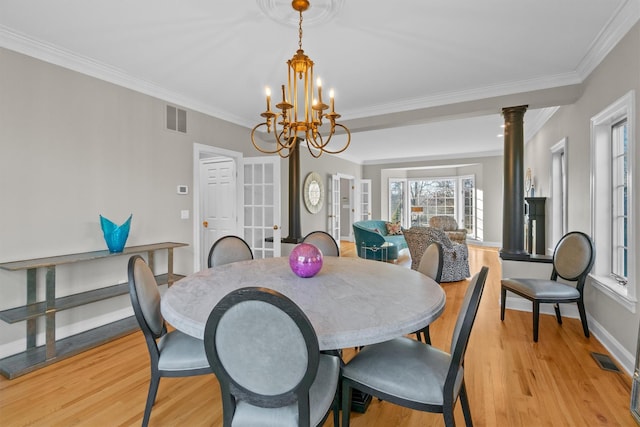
<point x="511" y="381"/>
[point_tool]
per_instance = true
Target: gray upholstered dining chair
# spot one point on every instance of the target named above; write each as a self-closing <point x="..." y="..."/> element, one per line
<point x="323" y="241"/>
<point x="573" y="258"/>
<point x="265" y="354"/>
<point x="172" y="354"/>
<point x="228" y="249"/>
<point x="431" y="266"/>
<point x="416" y="375"/>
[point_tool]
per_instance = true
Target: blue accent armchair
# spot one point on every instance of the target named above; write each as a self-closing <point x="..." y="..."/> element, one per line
<point x="372" y="234"/>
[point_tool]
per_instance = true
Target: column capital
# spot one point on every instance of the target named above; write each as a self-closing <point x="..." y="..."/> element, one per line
<point x="514" y="110"/>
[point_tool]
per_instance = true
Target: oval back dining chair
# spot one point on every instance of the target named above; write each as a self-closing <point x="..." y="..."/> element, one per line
<point x="172" y="354"/>
<point x="229" y="249"/>
<point x="323" y="241"/>
<point x="265" y="354"/>
<point x="431" y="266"/>
<point x="415" y="375"/>
<point x="573" y="258"/>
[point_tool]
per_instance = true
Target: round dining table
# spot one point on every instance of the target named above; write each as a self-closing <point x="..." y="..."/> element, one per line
<point x="350" y="302"/>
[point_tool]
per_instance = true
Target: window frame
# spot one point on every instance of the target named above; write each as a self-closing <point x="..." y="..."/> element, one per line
<point x="601" y="199"/>
<point x="458" y="198"/>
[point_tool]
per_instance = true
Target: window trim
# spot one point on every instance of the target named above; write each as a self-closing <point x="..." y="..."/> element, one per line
<point x="458" y="198"/>
<point x="601" y="125"/>
<point x="559" y="190"/>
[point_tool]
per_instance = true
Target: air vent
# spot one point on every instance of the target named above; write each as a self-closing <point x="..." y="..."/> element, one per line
<point x="605" y="362"/>
<point x="176" y="119"/>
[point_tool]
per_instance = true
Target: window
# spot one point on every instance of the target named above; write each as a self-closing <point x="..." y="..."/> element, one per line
<point x="612" y="164"/>
<point x="427" y="197"/>
<point x="619" y="207"/>
<point x="468" y="202"/>
<point x="396" y="201"/>
<point x="559" y="191"/>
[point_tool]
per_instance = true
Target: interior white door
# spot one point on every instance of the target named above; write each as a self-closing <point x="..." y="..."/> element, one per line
<point x="262" y="206"/>
<point x="334" y="207"/>
<point x="364" y="198"/>
<point x="219" y="217"/>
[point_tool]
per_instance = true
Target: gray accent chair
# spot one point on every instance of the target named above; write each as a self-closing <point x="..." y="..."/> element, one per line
<point x="228" y="249"/>
<point x="573" y="258"/>
<point x="265" y="353"/>
<point x="415" y="375"/>
<point x="431" y="266"/>
<point x="172" y="354"/>
<point x="455" y="255"/>
<point x="323" y="241"/>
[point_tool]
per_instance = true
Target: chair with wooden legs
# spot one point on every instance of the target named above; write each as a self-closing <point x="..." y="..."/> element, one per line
<point x="323" y="241"/>
<point x="266" y="357"/>
<point x="416" y="375"/>
<point x="228" y="249"/>
<point x="573" y="258"/>
<point x="431" y="266"/>
<point x="172" y="354"/>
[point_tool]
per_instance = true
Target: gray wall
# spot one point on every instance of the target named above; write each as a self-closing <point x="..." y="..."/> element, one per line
<point x="488" y="174"/>
<point x="325" y="166"/>
<point x="73" y="147"/>
<point x="614" y="77"/>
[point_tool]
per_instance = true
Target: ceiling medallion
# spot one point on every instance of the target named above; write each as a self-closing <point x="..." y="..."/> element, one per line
<point x="321" y="12"/>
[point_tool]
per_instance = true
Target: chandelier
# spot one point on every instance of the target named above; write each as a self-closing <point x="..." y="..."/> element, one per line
<point x="301" y="115"/>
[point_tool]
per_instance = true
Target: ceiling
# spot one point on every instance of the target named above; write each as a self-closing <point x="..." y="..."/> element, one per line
<point x="417" y="79"/>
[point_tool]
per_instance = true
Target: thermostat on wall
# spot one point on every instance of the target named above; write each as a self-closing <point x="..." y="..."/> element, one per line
<point x="183" y="189"/>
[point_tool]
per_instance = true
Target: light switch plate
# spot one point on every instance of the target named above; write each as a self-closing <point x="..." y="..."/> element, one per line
<point x="184" y="214"/>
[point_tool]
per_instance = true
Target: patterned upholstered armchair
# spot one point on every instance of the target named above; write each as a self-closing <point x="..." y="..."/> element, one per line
<point x="456" y="255"/>
<point x="450" y="227"/>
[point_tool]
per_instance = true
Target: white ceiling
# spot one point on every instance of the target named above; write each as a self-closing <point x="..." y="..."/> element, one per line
<point x="413" y="79"/>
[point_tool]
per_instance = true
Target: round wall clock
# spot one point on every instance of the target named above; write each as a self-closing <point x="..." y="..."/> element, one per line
<point x="313" y="192"/>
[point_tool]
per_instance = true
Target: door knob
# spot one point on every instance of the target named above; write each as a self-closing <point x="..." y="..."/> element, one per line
<point x="205" y="224"/>
<point x="275" y="227"/>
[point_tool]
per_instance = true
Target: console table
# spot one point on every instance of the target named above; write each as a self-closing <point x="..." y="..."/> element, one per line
<point x="35" y="357"/>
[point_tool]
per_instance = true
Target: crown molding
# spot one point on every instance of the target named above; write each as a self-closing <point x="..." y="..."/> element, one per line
<point x="400" y="160"/>
<point x="618" y="26"/>
<point x="56" y="55"/>
<point x="492" y="91"/>
<point x="625" y="17"/>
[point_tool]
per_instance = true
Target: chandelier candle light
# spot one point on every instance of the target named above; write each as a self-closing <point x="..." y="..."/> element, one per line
<point x="303" y="119"/>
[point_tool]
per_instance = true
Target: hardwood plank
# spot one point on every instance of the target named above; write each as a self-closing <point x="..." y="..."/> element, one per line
<point x="511" y="381"/>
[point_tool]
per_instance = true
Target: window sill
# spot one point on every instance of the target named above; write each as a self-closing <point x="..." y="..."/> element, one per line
<point x="615" y="291"/>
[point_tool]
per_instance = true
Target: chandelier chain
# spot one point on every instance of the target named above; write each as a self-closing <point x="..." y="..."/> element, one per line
<point x="300" y="32"/>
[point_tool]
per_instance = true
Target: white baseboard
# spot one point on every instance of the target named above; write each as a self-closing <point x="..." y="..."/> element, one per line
<point x="625" y="359"/>
<point x="484" y="243"/>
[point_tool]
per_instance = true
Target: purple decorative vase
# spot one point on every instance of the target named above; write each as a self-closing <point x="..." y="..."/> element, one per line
<point x="305" y="260"/>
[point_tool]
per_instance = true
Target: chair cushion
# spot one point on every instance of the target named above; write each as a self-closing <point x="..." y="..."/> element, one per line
<point x="321" y="396"/>
<point x="541" y="288"/>
<point x="180" y="352"/>
<point x="404" y="368"/>
<point x="444" y="222"/>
